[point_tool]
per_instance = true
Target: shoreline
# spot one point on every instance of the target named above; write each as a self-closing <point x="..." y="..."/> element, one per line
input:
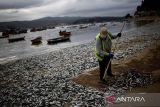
<point x="47" y="78"/>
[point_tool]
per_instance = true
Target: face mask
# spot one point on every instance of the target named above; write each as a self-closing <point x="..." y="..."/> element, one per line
<point x="103" y="36"/>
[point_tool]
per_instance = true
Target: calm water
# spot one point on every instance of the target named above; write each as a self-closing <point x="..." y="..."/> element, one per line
<point x="9" y="51"/>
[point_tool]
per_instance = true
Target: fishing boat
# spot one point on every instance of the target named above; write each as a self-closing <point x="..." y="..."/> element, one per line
<point x="38" y="29"/>
<point x="3" y="37"/>
<point x="83" y="27"/>
<point x="57" y="40"/>
<point x="64" y="33"/>
<point x="33" y="30"/>
<point x="37" y="40"/>
<point x="5" y="34"/>
<point x="16" y="39"/>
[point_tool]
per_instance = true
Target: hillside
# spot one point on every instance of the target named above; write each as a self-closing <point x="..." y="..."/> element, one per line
<point x="54" y="21"/>
<point x="148" y="8"/>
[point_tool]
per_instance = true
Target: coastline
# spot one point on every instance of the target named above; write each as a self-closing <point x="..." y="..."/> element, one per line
<point x="38" y="79"/>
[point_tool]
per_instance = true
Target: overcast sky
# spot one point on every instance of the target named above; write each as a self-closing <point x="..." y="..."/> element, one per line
<point x="16" y="10"/>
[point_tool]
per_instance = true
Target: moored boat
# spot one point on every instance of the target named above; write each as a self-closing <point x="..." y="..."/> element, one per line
<point x="37" y="40"/>
<point x="16" y="39"/>
<point x="38" y="29"/>
<point x="57" y="40"/>
<point x="83" y="27"/>
<point x="4" y="36"/>
<point x="64" y="33"/>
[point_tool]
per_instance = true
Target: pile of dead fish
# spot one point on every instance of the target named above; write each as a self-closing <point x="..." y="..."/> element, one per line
<point x="59" y="91"/>
<point x="128" y="80"/>
<point x="116" y="85"/>
<point x="46" y="92"/>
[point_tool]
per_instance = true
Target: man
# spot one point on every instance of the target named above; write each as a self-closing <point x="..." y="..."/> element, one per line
<point x="103" y="51"/>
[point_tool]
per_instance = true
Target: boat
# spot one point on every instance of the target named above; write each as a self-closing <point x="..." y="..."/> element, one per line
<point x="33" y="30"/>
<point x="5" y="34"/>
<point x="16" y="39"/>
<point x="103" y="25"/>
<point x="67" y="34"/>
<point x="64" y="33"/>
<point x="37" y="40"/>
<point x="3" y="37"/>
<point x="13" y="32"/>
<point x="22" y="31"/>
<point x="57" y="40"/>
<point x="38" y="29"/>
<point x="83" y="27"/>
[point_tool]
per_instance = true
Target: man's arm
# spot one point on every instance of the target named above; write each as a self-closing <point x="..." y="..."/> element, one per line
<point x="114" y="36"/>
<point x="99" y="49"/>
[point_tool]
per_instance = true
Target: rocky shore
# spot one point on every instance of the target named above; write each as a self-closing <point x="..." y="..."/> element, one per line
<point x="44" y="80"/>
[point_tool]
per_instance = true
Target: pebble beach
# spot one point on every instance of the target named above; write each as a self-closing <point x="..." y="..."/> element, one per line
<point x="45" y="80"/>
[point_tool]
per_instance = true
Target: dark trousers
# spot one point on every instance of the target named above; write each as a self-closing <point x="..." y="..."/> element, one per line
<point x="103" y="65"/>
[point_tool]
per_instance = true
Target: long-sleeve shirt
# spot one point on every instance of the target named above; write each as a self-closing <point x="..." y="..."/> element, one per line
<point x="107" y="45"/>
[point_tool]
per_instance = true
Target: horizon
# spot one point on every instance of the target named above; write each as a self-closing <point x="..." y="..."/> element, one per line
<point x="17" y="10"/>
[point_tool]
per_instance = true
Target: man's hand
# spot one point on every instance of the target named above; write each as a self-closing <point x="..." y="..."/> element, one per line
<point x="111" y="55"/>
<point x="119" y="35"/>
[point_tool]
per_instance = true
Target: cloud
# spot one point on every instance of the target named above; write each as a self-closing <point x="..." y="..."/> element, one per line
<point x="33" y="9"/>
<point x="16" y="4"/>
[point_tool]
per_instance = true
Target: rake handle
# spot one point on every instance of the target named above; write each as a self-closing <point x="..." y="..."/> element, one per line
<point x="113" y="52"/>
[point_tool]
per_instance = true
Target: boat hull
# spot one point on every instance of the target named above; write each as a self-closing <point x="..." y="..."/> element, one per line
<point x="37" y="40"/>
<point x="10" y="40"/>
<point x="57" y="40"/>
